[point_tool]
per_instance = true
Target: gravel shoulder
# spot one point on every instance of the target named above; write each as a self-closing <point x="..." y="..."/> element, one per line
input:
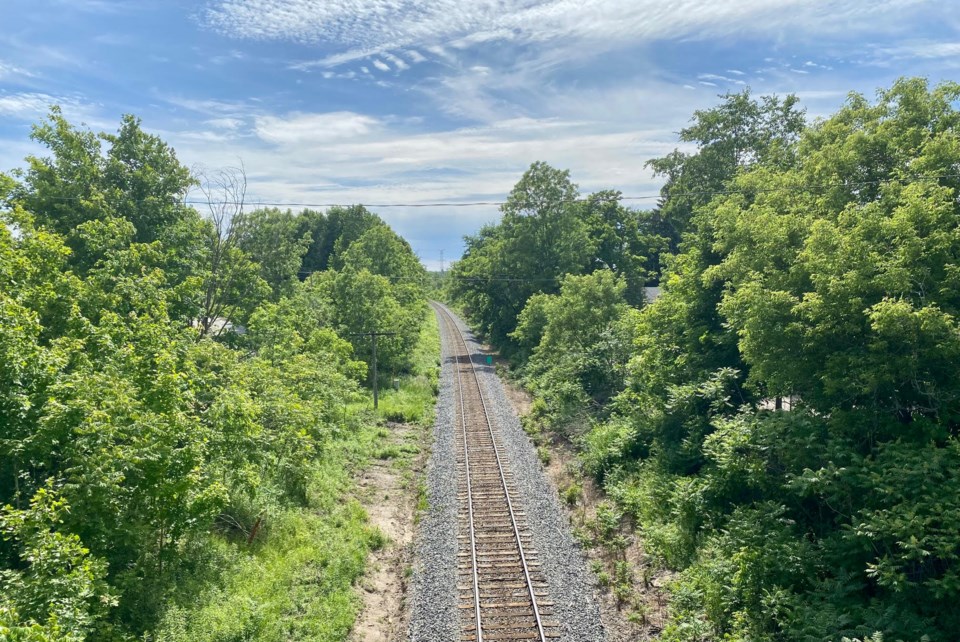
<point x="435" y="615"/>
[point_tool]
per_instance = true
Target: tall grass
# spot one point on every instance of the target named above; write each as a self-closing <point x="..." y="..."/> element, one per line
<point x="413" y="401"/>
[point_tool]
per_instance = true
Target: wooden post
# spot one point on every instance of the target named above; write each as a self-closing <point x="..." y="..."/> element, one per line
<point x="373" y="363"/>
<point x="374" y="335"/>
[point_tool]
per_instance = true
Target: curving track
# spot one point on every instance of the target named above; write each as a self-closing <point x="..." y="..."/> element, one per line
<point x="502" y="591"/>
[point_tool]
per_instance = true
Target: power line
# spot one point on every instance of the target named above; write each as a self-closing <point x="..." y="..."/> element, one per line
<point x="582" y="199"/>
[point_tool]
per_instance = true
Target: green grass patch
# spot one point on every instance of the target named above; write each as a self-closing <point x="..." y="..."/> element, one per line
<point x="414" y="400"/>
<point x="297" y="580"/>
<point x="395" y="451"/>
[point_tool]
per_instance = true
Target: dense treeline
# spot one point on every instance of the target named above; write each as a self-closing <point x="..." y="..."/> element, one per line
<point x="781" y="423"/>
<point x="546" y="232"/>
<point x="179" y="394"/>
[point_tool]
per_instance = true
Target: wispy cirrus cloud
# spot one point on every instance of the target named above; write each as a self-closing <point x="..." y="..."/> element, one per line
<point x="398" y="63"/>
<point x="32" y="106"/>
<point x="305" y="128"/>
<point x="925" y="50"/>
<point x="717" y="78"/>
<point x="346" y="157"/>
<point x="9" y="70"/>
<point x="446" y="100"/>
<point x="363" y="28"/>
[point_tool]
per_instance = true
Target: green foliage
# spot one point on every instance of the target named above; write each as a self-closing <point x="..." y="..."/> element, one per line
<point x="545" y="234"/>
<point x="270" y="237"/>
<point x="105" y="201"/>
<point x="781" y="424"/>
<point x="626" y="242"/>
<point x="579" y="342"/>
<point x="413" y="401"/>
<point x="53" y="589"/>
<point x="153" y="472"/>
<point x="738" y="133"/>
<point x="298" y="582"/>
<point x="822" y="272"/>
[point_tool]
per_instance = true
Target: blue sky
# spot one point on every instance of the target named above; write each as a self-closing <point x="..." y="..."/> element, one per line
<point x="399" y="101"/>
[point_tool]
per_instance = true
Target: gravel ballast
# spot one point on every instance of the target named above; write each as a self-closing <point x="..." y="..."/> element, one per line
<point x="435" y="616"/>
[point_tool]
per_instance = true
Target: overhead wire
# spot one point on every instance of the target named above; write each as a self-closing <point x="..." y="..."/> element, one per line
<point x="581" y="199"/>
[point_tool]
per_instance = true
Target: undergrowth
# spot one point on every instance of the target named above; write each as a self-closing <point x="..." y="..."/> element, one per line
<point x="295" y="577"/>
<point x="413" y="401"/>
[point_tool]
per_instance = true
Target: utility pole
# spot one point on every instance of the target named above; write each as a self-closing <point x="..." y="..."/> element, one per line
<point x="373" y="336"/>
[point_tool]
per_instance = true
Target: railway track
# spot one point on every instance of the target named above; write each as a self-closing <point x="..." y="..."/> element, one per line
<point x="502" y="591"/>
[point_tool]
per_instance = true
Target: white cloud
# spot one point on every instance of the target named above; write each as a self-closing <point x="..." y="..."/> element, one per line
<point x="26" y="105"/>
<point x="719" y="78"/>
<point x="208" y="106"/>
<point x="225" y="123"/>
<point x="9" y="70"/>
<point x="296" y="128"/>
<point x="926" y="50"/>
<point x="397" y="62"/>
<point x="415" y="56"/>
<point x="33" y="106"/>
<point x="334" y="157"/>
<point x="379" y="64"/>
<point x="362" y="28"/>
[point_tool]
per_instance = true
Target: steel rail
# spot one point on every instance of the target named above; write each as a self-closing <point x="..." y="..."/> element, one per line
<point x="503" y="482"/>
<point x="466" y="460"/>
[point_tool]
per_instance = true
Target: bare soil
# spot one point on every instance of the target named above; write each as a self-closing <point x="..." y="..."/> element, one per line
<point x="388" y="491"/>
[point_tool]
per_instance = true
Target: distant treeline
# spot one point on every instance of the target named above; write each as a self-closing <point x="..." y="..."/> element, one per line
<point x="782" y="425"/>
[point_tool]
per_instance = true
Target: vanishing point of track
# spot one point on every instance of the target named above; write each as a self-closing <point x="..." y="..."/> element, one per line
<point x="502" y="591"/>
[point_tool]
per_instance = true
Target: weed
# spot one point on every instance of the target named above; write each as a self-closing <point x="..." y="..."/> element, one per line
<point x="639" y="614"/>
<point x="422" y="503"/>
<point x="299" y="581"/>
<point x="571" y="494"/>
<point x="388" y="452"/>
<point x="544" y="454"/>
<point x="377" y="539"/>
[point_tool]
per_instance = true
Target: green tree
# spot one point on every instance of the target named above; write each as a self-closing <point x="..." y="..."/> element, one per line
<point x="738" y="133"/>
<point x="380" y="251"/>
<point x="317" y="256"/>
<point x="825" y="272"/>
<point x="625" y="242"/>
<point x="138" y="457"/>
<point x="344" y="226"/>
<point x="104" y="200"/>
<point x="579" y="342"/>
<point x="232" y="283"/>
<point x="270" y="238"/>
<point x="54" y="589"/>
<point x="541" y="238"/>
<point x="365" y="302"/>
